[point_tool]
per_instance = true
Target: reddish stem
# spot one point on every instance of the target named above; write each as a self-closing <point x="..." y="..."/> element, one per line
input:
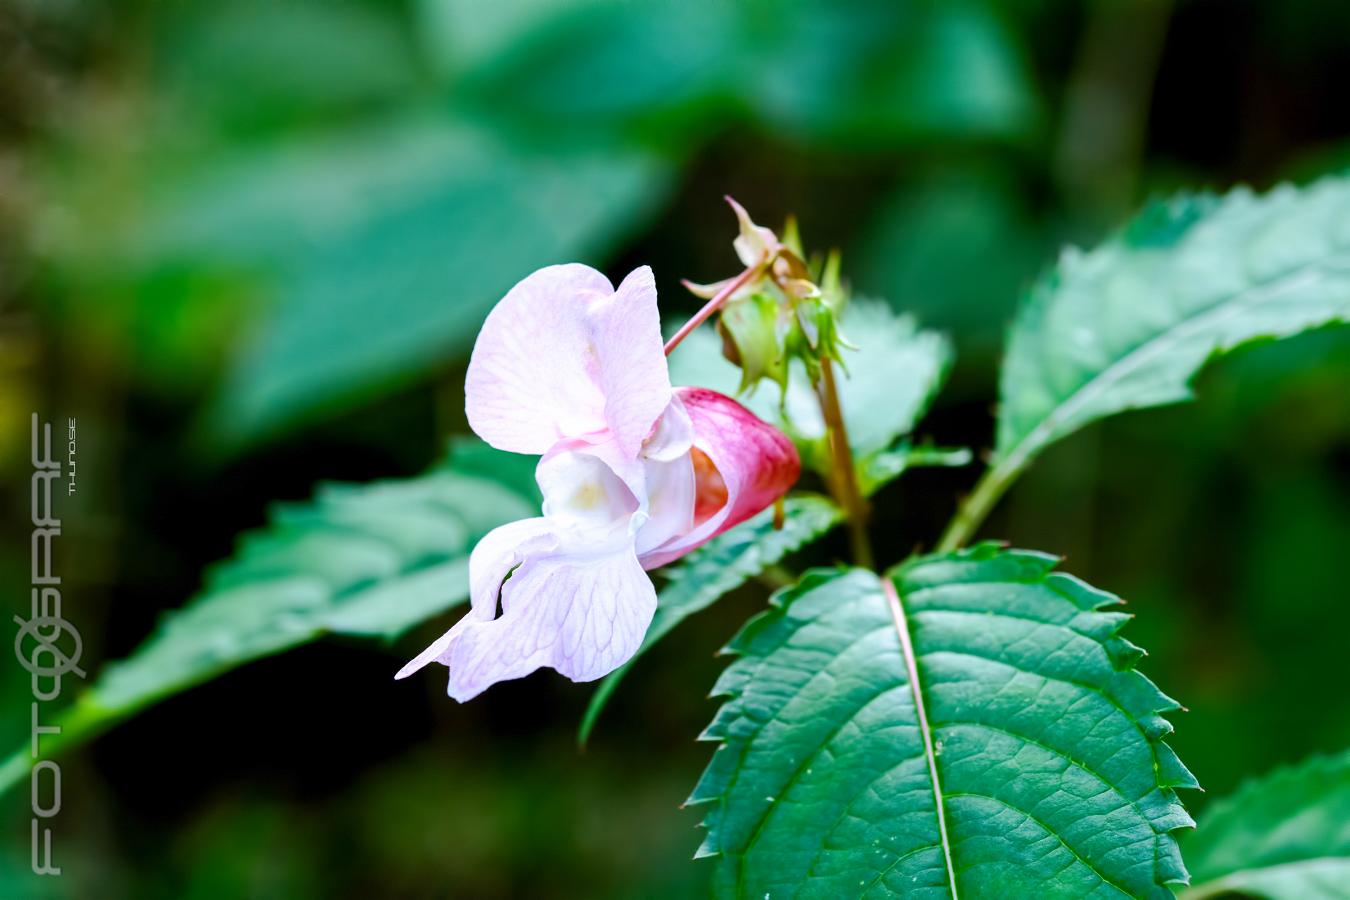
<point x="711" y="306"/>
<point x="845" y="481"/>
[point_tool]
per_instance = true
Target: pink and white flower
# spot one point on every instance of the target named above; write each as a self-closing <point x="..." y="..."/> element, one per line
<point x="634" y="474"/>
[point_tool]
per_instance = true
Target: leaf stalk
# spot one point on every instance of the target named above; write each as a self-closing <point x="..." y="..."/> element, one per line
<point x="976" y="506"/>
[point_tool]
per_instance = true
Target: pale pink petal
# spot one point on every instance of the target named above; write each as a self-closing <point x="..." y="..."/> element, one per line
<point x="497" y="553"/>
<point x="674" y="433"/>
<point x="440" y="649"/>
<point x="597" y="482"/>
<point x="756" y="461"/>
<point x="563" y="356"/>
<point x="668" y="479"/>
<point x="633" y="376"/>
<point x="501" y="550"/>
<point x="531" y="375"/>
<point x="670" y="440"/>
<point x="582" y="612"/>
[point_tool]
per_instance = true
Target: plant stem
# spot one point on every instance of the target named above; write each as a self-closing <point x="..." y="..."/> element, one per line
<point x="712" y="306"/>
<point x="845" y="480"/>
<point x="976" y="506"/>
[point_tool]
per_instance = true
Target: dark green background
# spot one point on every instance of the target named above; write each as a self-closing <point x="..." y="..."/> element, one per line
<point x="247" y="244"/>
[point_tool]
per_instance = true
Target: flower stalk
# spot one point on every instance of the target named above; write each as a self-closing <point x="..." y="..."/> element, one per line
<point x="844" y="483"/>
<point x="713" y="305"/>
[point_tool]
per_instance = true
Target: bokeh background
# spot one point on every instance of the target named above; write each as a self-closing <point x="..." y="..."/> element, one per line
<point x="248" y="244"/>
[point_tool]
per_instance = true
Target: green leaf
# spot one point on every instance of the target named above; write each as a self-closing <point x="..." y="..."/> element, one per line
<point x="717" y="568"/>
<point x="955" y="247"/>
<point x="1129" y="324"/>
<point x="890" y="382"/>
<point x="861" y="74"/>
<point x="369" y="560"/>
<point x="844" y="73"/>
<point x="882" y="468"/>
<point x="251" y="65"/>
<point x="987" y="735"/>
<point x="1285" y="837"/>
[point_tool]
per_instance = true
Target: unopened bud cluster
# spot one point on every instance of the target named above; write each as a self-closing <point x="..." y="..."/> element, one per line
<point x="787" y="309"/>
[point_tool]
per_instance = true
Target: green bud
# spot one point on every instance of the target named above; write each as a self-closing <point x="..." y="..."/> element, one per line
<point x="753" y="334"/>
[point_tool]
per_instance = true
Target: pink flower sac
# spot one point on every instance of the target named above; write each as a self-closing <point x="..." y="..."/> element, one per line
<point x="634" y="475"/>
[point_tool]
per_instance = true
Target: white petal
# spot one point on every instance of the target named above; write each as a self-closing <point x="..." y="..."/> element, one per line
<point x="497" y="553"/>
<point x="501" y="550"/>
<point x="578" y="484"/>
<point x="583" y="613"/>
<point x="671" y="491"/>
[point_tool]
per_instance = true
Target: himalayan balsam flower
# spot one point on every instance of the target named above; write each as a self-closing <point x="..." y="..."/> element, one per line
<point x="634" y="474"/>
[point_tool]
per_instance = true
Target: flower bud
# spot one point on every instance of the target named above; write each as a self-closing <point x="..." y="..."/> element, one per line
<point x="784" y="309"/>
<point x="753" y="333"/>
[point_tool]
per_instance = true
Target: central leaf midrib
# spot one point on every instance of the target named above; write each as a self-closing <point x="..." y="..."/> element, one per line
<point x="897" y="612"/>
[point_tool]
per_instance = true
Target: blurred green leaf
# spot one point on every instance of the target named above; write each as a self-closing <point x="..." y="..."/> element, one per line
<point x="890" y="381"/>
<point x="871" y="74"/>
<point x="260" y="206"/>
<point x="252" y="64"/>
<point x="370" y="560"/>
<point x="954" y="248"/>
<point x="1284" y="837"/>
<point x="659" y="68"/>
<point x="1026" y="761"/>
<point x="1129" y="324"/>
<point x="855" y="73"/>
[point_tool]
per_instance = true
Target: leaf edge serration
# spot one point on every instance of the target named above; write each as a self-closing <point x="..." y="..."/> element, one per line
<point x="1168" y="818"/>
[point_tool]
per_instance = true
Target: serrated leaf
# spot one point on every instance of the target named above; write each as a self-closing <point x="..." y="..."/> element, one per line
<point x="1129" y="324"/>
<point x="1284" y="837"/>
<point x="1027" y="760"/>
<point x="369" y="560"/>
<point x="889" y="383"/>
<point x="717" y="568"/>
